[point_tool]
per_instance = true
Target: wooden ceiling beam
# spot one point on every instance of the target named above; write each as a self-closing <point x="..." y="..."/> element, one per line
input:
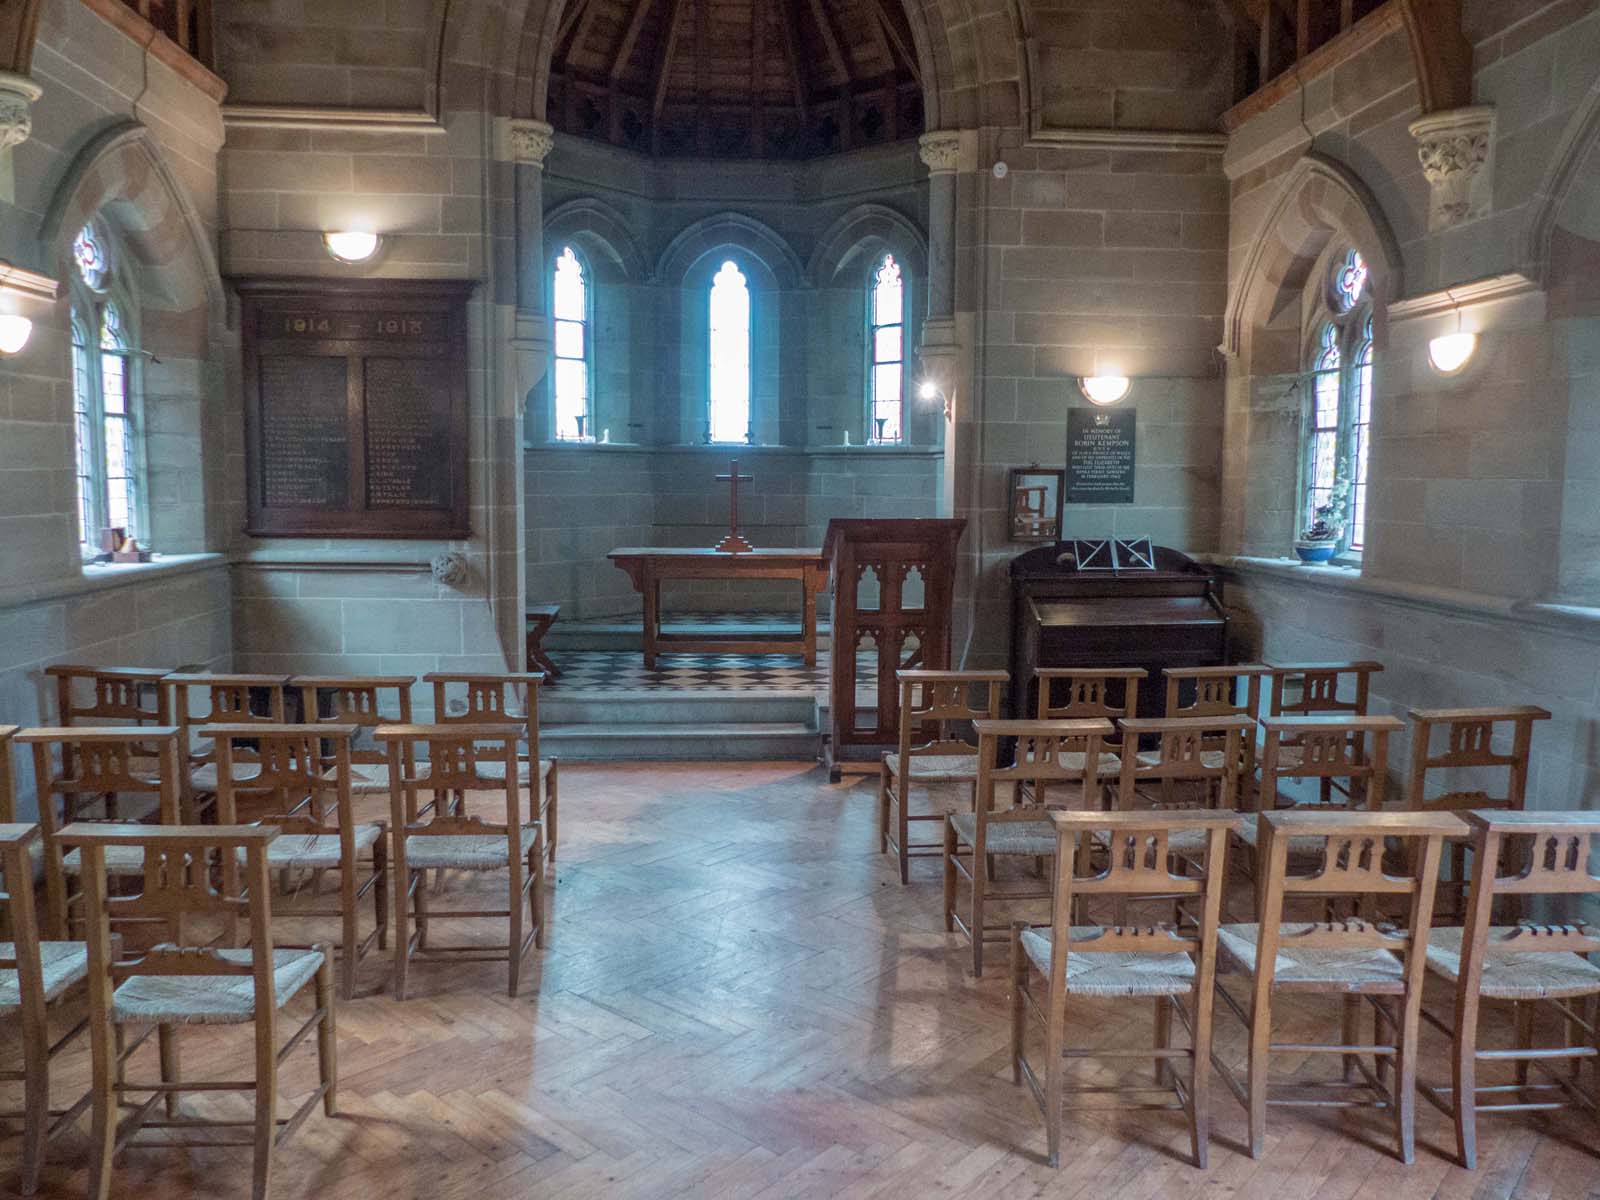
<point x="663" y="73"/>
<point x="591" y="10"/>
<point x="630" y="37"/>
<point x="569" y="20"/>
<point x="887" y="26"/>
<point x="830" y="39"/>
<point x="758" y="75"/>
<point x="702" y="74"/>
<point x="789" y="23"/>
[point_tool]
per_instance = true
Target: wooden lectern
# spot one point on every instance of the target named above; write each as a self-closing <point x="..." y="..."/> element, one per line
<point x="870" y="563"/>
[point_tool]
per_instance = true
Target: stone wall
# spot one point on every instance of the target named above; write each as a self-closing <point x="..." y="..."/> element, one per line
<point x="585" y="501"/>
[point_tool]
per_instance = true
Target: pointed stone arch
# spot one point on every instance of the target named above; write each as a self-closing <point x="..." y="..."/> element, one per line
<point x="731" y="229"/>
<point x="863" y="226"/>
<point x="1580" y="141"/>
<point x="601" y="229"/>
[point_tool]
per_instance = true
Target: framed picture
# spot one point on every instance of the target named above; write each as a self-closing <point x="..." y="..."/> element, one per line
<point x="1035" y="507"/>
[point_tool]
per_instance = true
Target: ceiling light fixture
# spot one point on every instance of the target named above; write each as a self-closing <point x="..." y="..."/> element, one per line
<point x="1104" y="389"/>
<point x="14" y="333"/>
<point x="350" y="245"/>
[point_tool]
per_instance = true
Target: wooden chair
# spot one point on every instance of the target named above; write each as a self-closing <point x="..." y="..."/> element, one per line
<point x="1216" y="692"/>
<point x="490" y="698"/>
<point x="34" y="975"/>
<point x="1525" y="965"/>
<point x="231" y="700"/>
<point x="1348" y="748"/>
<point x="8" y="775"/>
<point x="1353" y="958"/>
<point x="1086" y="693"/>
<point x="95" y="764"/>
<point x="116" y="695"/>
<point x="366" y="701"/>
<point x="540" y="618"/>
<point x="453" y="839"/>
<point x="931" y="705"/>
<point x="183" y="981"/>
<point x="1047" y="752"/>
<point x="1318" y="689"/>
<point x="1173" y="964"/>
<point x="1469" y="746"/>
<point x="322" y="835"/>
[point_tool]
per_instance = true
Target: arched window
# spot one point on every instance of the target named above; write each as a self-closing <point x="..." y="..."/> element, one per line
<point x="105" y="396"/>
<point x="886" y="321"/>
<point x="729" y="362"/>
<point x="570" y="293"/>
<point x="1337" y="429"/>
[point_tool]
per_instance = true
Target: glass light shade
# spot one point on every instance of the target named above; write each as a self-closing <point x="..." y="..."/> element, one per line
<point x="1450" y="353"/>
<point x="14" y="333"/>
<point x="928" y="390"/>
<point x="350" y="245"/>
<point x="1104" y="389"/>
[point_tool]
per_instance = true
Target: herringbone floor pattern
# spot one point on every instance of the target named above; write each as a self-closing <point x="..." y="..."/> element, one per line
<point x="739" y="999"/>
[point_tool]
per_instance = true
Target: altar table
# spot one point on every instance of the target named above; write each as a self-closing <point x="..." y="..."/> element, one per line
<point x="648" y="566"/>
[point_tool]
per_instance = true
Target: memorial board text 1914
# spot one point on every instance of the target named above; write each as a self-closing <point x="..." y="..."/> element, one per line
<point x="355" y="407"/>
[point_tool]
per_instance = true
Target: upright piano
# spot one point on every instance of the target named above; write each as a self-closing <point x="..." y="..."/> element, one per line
<point x="1063" y="616"/>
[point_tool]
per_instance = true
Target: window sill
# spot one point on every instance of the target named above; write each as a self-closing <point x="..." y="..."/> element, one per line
<point x="735" y="450"/>
<point x="99" y="577"/>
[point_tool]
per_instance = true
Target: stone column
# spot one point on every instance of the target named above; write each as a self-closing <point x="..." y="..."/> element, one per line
<point x="530" y="142"/>
<point x="17" y="94"/>
<point x="940" y="151"/>
<point x="1453" y="147"/>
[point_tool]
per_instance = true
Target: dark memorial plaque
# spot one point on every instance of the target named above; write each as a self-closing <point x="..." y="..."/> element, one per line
<point x="305" y="455"/>
<point x="1100" y="455"/>
<point x="355" y="407"/>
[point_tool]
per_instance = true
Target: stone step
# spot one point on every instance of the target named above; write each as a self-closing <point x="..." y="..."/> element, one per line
<point x="745" y="741"/>
<point x="627" y="633"/>
<point x="679" y="708"/>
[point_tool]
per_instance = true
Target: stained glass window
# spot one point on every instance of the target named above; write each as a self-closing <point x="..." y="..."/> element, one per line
<point x="730" y="356"/>
<point x="570" y="290"/>
<point x="104" y="401"/>
<point x="89" y="253"/>
<point x="1339" y="418"/>
<point x="886" y="305"/>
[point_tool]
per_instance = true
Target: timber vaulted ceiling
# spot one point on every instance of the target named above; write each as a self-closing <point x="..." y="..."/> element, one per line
<point x="736" y="78"/>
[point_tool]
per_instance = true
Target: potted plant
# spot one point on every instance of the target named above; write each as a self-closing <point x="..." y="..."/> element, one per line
<point x="1319" y="541"/>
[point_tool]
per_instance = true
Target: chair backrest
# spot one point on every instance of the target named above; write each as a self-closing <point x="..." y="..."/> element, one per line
<point x="87" y="762"/>
<point x="1203" y="750"/>
<point x="934" y="703"/>
<point x="110" y="695"/>
<point x="1137" y="865"/>
<point x="179" y="893"/>
<point x="489" y="698"/>
<point x="367" y="701"/>
<point x="1551" y="854"/>
<point x="1355" y="748"/>
<point x="448" y="762"/>
<point x="1351" y="865"/>
<point x="231" y="700"/>
<point x="1470" y="736"/>
<point x="1046" y="752"/>
<point x="1214" y="691"/>
<point x="22" y="925"/>
<point x="8" y="776"/>
<point x="1307" y="688"/>
<point x="1074" y="693"/>
<point x="295" y="774"/>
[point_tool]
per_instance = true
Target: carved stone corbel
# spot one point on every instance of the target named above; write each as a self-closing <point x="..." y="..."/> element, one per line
<point x="17" y="94"/>
<point x="1454" y="148"/>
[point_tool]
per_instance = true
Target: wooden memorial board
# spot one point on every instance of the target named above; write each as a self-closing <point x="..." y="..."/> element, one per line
<point x="355" y="407"/>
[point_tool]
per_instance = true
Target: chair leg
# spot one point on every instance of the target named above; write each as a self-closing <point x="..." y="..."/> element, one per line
<point x="327" y="1040"/>
<point x="883" y="808"/>
<point x="380" y="891"/>
<point x="1522" y="1016"/>
<point x="1405" y="1077"/>
<point x="1200" y="1079"/>
<point x="266" y="1126"/>
<point x="420" y="899"/>
<point x="1019" y="1010"/>
<point x="35" y="1110"/>
<point x="514" y="946"/>
<point x="167" y="1045"/>
<point x="1350" y="1034"/>
<point x="1163" y="1039"/>
<point x="980" y="879"/>
<point x="903" y="828"/>
<point x="1256" y="1089"/>
<point x="402" y="932"/>
<point x="103" y="1109"/>
<point x="949" y="876"/>
<point x="536" y="863"/>
<point x="552" y="792"/>
<point x="1054" y="1037"/>
<point x="348" y="953"/>
<point x="1464" y="1082"/>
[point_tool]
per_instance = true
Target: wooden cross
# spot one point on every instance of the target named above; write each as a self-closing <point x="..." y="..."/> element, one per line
<point x="733" y="543"/>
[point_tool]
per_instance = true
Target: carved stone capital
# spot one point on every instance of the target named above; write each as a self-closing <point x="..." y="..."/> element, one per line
<point x="450" y="568"/>
<point x="940" y="151"/>
<point x="531" y="141"/>
<point x="17" y="94"/>
<point x="1454" y="149"/>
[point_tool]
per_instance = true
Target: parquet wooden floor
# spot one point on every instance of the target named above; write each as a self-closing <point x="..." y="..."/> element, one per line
<point x="739" y="999"/>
